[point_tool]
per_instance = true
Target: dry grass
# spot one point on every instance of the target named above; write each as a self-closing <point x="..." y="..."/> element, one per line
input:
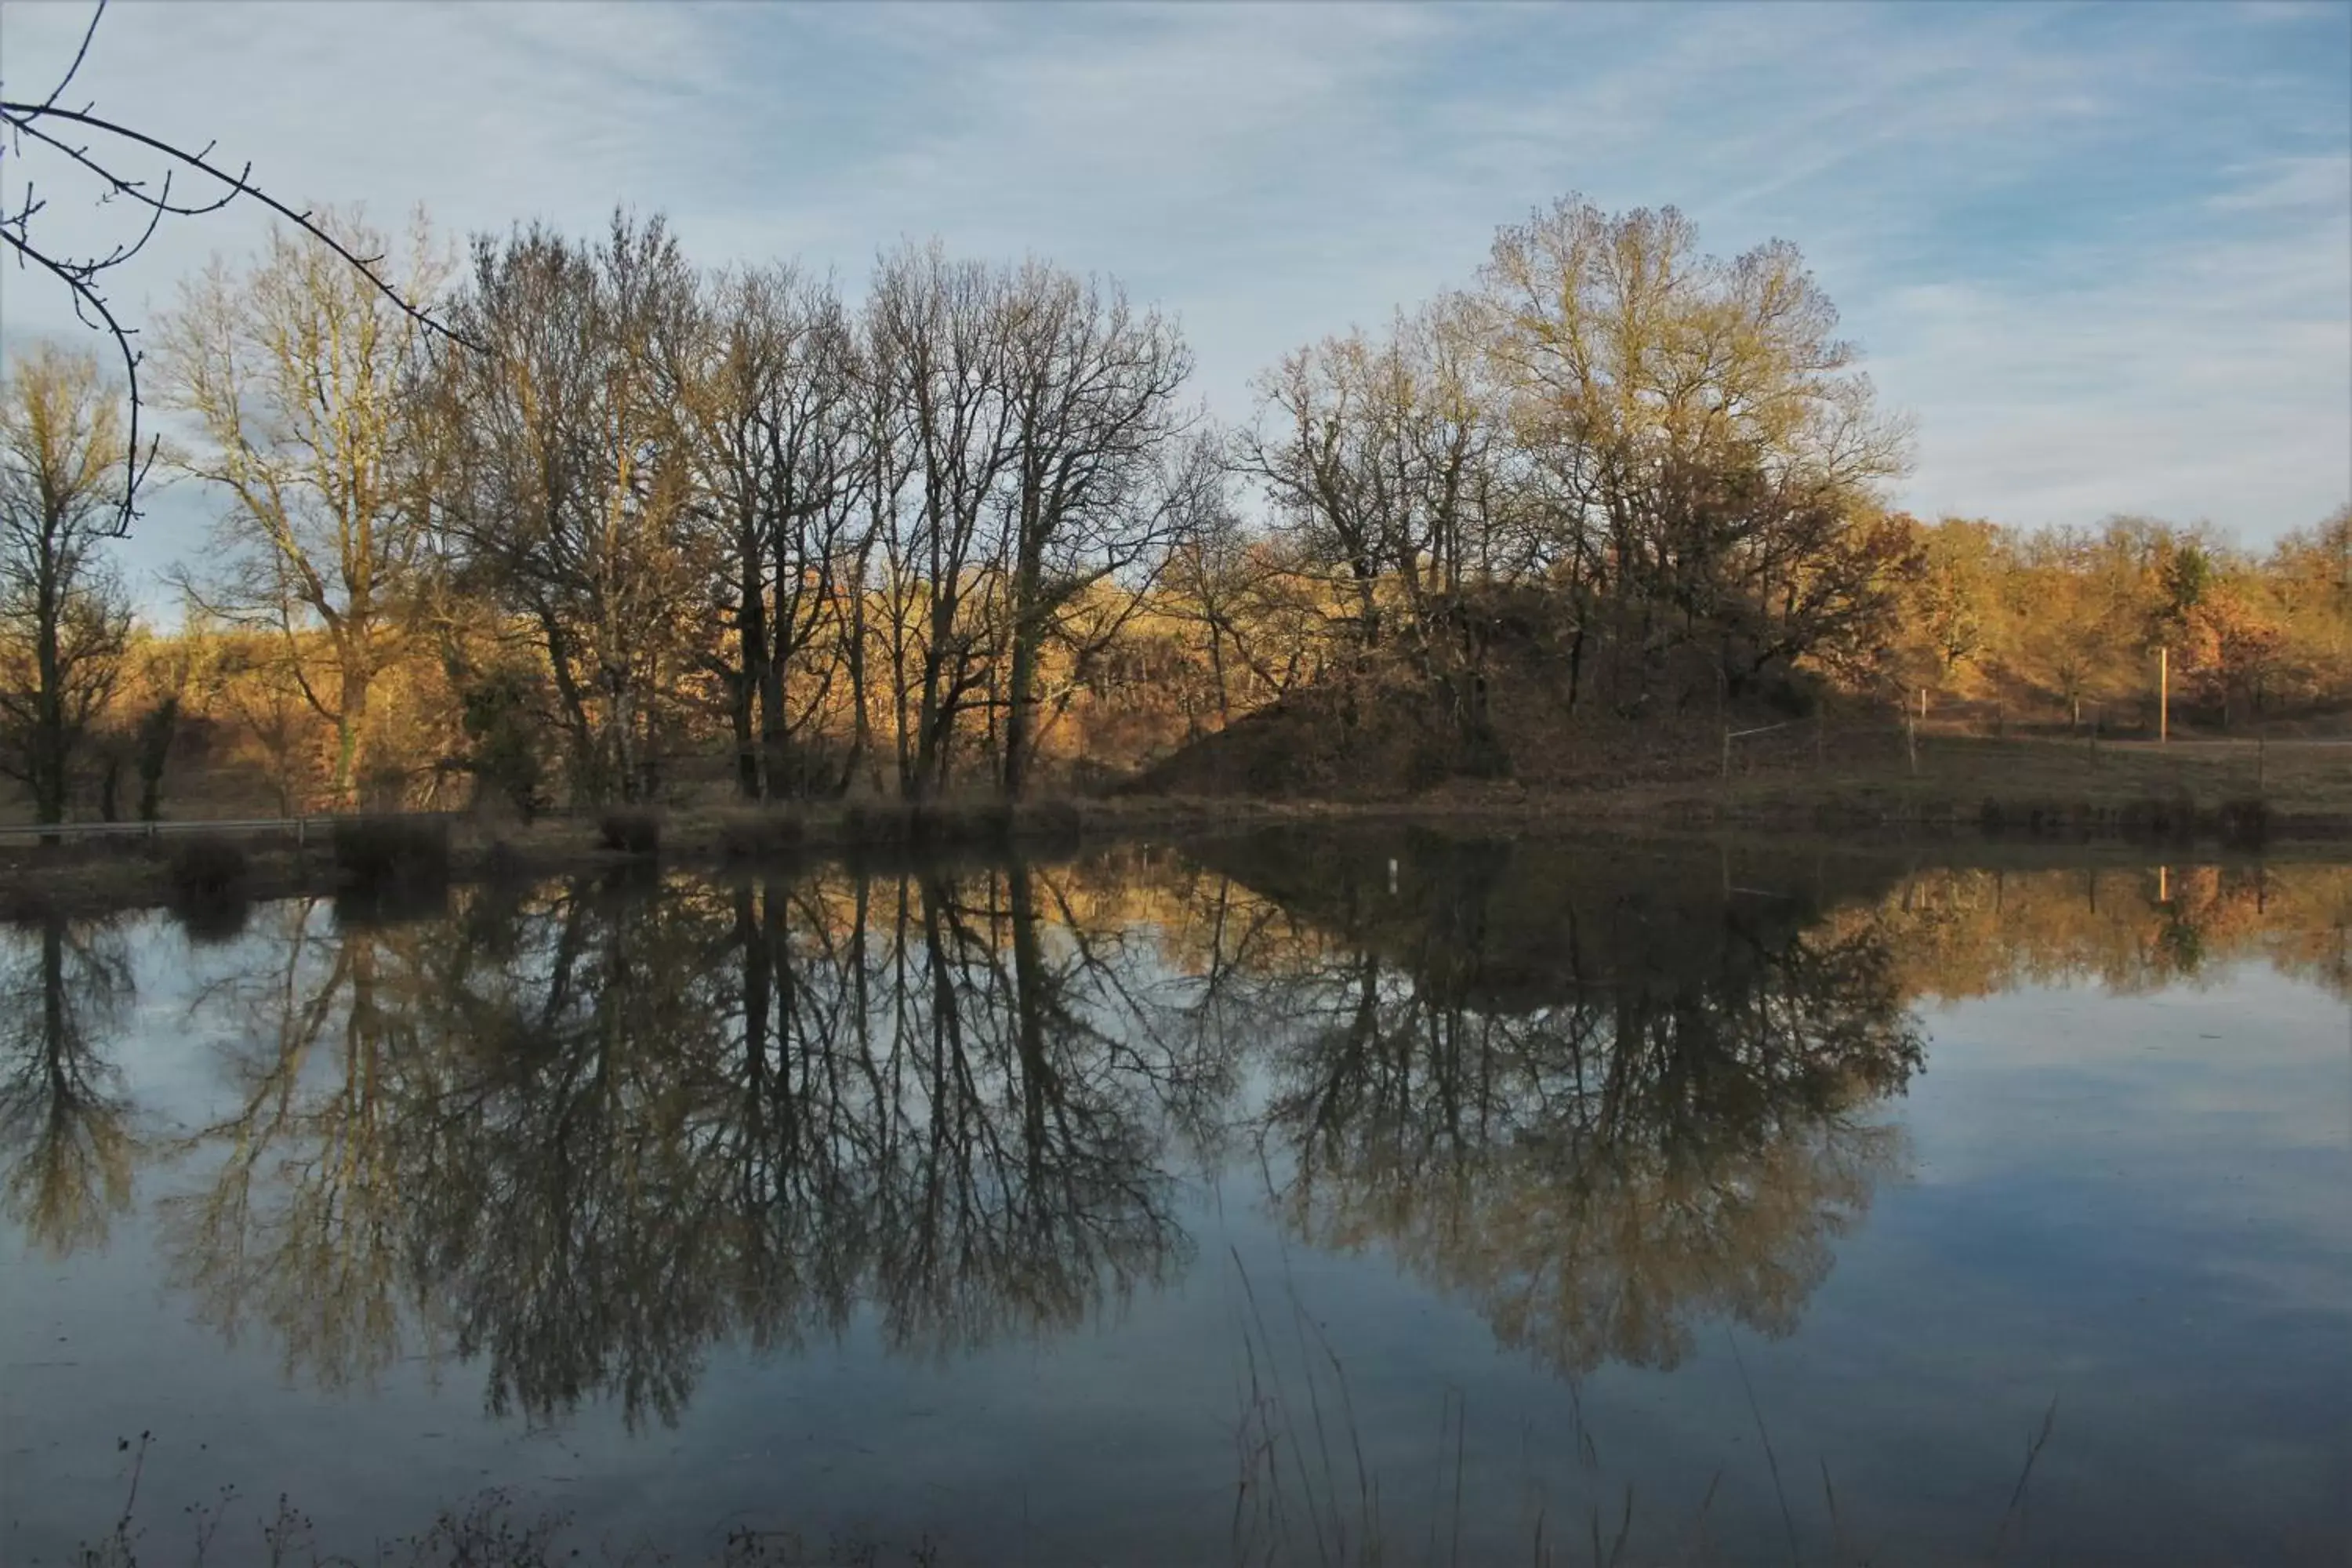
<point x="2066" y="788"/>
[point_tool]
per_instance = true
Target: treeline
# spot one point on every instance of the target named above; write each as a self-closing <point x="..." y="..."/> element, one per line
<point x="2066" y="622"/>
<point x="632" y="528"/>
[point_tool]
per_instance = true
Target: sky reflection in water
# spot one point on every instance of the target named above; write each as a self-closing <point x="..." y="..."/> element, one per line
<point x="1215" y="1206"/>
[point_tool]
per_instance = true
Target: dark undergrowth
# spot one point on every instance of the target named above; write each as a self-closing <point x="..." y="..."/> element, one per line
<point x="211" y="889"/>
<point x="636" y="832"/>
<point x="492" y="1529"/>
<point x="391" y="855"/>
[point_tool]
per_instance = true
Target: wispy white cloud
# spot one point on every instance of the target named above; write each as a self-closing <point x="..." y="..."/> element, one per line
<point x="2105" y="254"/>
<point x="2209" y="377"/>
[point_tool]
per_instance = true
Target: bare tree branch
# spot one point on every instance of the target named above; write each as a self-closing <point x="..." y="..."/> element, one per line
<point x="46" y="125"/>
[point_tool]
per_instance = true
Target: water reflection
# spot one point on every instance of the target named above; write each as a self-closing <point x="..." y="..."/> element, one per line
<point x="1602" y="1106"/>
<point x="65" y="1139"/>
<point x="578" y="1135"/>
<point x="584" y="1133"/>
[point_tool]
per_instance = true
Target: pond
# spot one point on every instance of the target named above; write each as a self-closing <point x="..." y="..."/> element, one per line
<point x="1273" y="1198"/>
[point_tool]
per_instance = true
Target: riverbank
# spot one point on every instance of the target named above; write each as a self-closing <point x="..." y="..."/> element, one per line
<point x="1978" y="794"/>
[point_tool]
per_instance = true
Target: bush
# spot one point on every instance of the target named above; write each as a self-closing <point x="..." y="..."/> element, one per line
<point x="209" y="879"/>
<point x="868" y="823"/>
<point x="392" y="852"/>
<point x="503" y="863"/>
<point x="631" y="832"/>
<point x="1050" y="822"/>
<point x="2153" y="817"/>
<point x="963" y="822"/>
<point x="1429" y="763"/>
<point x="1483" y="755"/>
<point x="499" y="714"/>
<point x="759" y="834"/>
<point x="2244" y="823"/>
<point x="1277" y="765"/>
<point x="209" y="868"/>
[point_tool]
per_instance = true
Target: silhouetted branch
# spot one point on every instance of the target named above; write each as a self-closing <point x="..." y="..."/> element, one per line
<point x="40" y="121"/>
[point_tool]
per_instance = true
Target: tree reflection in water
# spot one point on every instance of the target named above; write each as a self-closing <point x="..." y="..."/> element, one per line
<point x="586" y="1133"/>
<point x="583" y="1132"/>
<point x="1602" y="1108"/>
<point x="66" y="1146"/>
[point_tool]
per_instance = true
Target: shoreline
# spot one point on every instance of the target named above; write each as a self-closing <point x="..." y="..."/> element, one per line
<point x="100" y="877"/>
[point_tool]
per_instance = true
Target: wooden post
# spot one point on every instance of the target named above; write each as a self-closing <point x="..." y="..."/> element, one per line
<point x="1911" y="744"/>
<point x="1923" y="703"/>
<point x="2163" y="695"/>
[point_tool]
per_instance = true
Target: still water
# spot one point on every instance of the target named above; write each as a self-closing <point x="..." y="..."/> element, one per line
<point x="1269" y="1200"/>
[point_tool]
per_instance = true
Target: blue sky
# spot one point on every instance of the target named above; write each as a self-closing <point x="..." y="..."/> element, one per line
<point x="2102" y="254"/>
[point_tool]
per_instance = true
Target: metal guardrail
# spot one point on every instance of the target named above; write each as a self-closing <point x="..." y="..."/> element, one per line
<point x="298" y="828"/>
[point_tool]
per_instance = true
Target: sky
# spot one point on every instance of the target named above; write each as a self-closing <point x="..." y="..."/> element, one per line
<point x="2100" y="255"/>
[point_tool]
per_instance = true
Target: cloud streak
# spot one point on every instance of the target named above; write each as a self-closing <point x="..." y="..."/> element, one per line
<point x="2103" y="254"/>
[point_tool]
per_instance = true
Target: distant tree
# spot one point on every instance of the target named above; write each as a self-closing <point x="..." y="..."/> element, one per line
<point x="1710" y="454"/>
<point x="298" y="372"/>
<point x="1101" y="481"/>
<point x="565" y="480"/>
<point x="65" y="619"/>
<point x="768" y="386"/>
<point x="115" y="161"/>
<point x="1958" y="592"/>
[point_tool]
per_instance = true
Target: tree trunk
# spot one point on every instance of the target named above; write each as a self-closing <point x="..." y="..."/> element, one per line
<point x="751" y="641"/>
<point x="1039" y="1089"/>
<point x="351" y="725"/>
<point x="861" y="728"/>
<point x="1020" y="718"/>
<point x="48" y="739"/>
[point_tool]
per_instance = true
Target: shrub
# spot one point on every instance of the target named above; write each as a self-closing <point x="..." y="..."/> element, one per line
<point x="2155" y="818"/>
<point x="868" y="823"/>
<point x="2244" y="823"/>
<point x="1429" y="763"/>
<point x="1483" y="755"/>
<point x="961" y="822"/>
<point x="1277" y="765"/>
<point x="1056" y="822"/>
<point x="503" y="863"/>
<point x="209" y="868"/>
<point x="392" y="852"/>
<point x="152" y="746"/>
<point x="209" y="877"/>
<point x="502" y="739"/>
<point x="759" y="834"/>
<point x="631" y="832"/>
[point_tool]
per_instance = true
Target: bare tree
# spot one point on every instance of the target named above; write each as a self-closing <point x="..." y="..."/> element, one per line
<point x="1100" y="483"/>
<point x="935" y="329"/>
<point x="297" y="369"/>
<point x="65" y="619"/>
<point x="766" y="385"/>
<point x="116" y="161"/>
<point x="1709" y="452"/>
<point x="566" y="476"/>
